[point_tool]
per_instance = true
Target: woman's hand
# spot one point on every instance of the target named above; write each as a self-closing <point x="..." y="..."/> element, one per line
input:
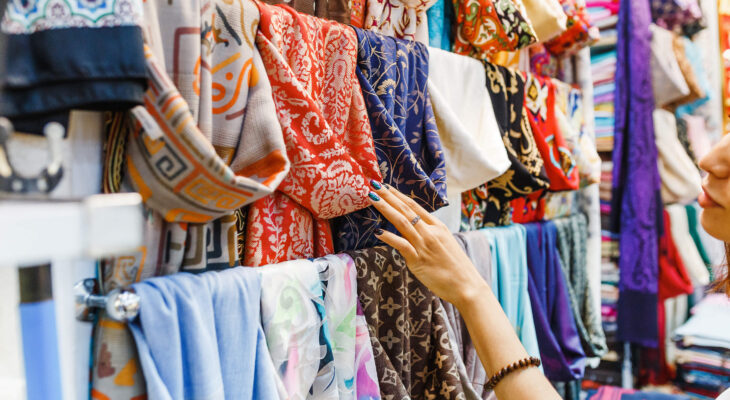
<point x="430" y="250"/>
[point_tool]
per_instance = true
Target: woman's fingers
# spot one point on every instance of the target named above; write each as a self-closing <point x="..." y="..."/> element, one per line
<point x="415" y="207"/>
<point x="401" y="221"/>
<point x="403" y="246"/>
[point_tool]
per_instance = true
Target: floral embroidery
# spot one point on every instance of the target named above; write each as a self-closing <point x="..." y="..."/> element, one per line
<point x="393" y="75"/>
<point x="311" y="65"/>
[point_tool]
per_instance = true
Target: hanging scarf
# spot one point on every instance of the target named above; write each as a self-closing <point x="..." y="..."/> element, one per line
<point x="414" y="360"/>
<point x="440" y="19"/>
<point x="691" y="257"/>
<point x="489" y="204"/>
<point x="402" y="19"/>
<point x="678" y="14"/>
<point x="580" y="31"/>
<point x="572" y="238"/>
<point x="570" y="114"/>
<point x="509" y="281"/>
<point x="393" y="74"/>
<point x="484" y="27"/>
<point x="210" y="322"/>
<point x="636" y="185"/>
<point x="473" y="148"/>
<point x="476" y="246"/>
<point x="673" y="281"/>
<point x="667" y="77"/>
<point x="560" y="164"/>
<point x="311" y="65"/>
<point x="560" y="350"/>
<point x="681" y="180"/>
<point x="309" y="313"/>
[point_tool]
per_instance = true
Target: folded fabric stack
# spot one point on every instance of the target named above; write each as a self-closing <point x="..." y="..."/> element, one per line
<point x="703" y="349"/>
<point x="604" y="14"/>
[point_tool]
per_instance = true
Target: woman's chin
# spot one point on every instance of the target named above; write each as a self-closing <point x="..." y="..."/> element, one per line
<point x="714" y="221"/>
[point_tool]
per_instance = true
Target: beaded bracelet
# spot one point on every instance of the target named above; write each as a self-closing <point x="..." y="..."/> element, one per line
<point x="521" y="364"/>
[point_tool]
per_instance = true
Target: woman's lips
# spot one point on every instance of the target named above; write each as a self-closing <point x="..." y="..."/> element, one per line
<point x="706" y="201"/>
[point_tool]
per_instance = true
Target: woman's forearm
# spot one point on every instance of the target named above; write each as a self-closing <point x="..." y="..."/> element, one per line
<point x="497" y="345"/>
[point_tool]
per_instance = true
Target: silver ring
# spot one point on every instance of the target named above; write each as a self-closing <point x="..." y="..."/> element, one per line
<point x="415" y="220"/>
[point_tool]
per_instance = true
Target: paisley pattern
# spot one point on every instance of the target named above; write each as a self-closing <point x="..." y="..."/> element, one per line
<point x="526" y="174"/>
<point x="484" y="27"/>
<point x="393" y="75"/>
<point x="311" y="65"/>
<point x="413" y="354"/>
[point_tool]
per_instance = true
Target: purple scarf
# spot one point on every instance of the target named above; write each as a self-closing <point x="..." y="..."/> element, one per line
<point x="637" y="202"/>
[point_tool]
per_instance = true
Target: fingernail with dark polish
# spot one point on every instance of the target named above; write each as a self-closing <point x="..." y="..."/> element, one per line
<point x="379" y="232"/>
<point x="375" y="184"/>
<point x="374" y="196"/>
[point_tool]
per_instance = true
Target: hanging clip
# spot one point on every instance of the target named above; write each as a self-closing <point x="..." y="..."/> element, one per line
<point x="48" y="179"/>
<point x="120" y="305"/>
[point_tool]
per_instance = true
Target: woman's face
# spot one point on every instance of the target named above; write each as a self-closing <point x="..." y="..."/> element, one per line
<point x="715" y="198"/>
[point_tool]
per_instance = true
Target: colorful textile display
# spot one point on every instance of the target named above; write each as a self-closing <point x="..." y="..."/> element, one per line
<point x="393" y="74"/>
<point x="412" y="360"/>
<point x="484" y="27"/>
<point x="473" y="149"/>
<point x="636" y="185"/>
<point x="488" y="205"/>
<point x="572" y="238"/>
<point x="561" y="354"/>
<point x="509" y="281"/>
<point x="703" y="345"/>
<point x="211" y="322"/>
<point x="326" y="130"/>
<point x="49" y="73"/>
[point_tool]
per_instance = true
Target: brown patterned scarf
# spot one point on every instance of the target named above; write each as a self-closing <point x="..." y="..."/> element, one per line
<point x="408" y="328"/>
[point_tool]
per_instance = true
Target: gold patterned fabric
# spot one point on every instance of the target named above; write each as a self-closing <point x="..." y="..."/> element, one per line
<point x="489" y="205"/>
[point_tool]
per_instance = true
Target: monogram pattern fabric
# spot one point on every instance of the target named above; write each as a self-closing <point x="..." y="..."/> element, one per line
<point x="489" y="205"/>
<point x="484" y="27"/>
<point x="311" y="65"/>
<point x="393" y="74"/>
<point x="413" y="354"/>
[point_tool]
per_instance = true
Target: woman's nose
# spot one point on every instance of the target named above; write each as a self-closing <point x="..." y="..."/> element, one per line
<point x="717" y="161"/>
